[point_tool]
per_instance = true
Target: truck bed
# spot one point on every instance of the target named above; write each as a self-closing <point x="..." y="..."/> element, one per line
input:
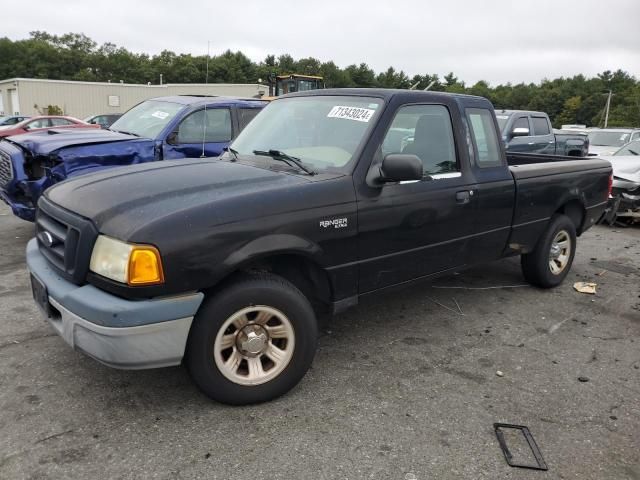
<point x="514" y="158"/>
<point x="544" y="182"/>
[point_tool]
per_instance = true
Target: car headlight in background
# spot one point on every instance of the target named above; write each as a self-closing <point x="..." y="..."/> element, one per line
<point x="133" y="264"/>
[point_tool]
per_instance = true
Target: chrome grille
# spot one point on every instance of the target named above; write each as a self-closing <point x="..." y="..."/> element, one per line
<point x="6" y="169"/>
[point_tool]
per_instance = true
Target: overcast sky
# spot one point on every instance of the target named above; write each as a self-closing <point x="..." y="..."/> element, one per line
<point x="495" y="40"/>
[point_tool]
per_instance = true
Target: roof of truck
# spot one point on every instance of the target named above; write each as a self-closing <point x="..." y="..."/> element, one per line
<point x="208" y="99"/>
<point x="500" y="111"/>
<point x="384" y="93"/>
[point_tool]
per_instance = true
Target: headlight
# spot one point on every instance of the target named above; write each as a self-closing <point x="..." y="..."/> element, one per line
<point x="133" y="264"/>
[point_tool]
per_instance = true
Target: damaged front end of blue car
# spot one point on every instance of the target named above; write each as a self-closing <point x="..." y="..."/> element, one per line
<point x="26" y="171"/>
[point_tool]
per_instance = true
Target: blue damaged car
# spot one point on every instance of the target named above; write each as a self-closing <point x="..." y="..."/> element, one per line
<point x="164" y="128"/>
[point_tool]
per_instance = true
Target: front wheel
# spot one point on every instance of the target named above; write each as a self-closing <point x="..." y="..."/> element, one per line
<point x="549" y="263"/>
<point x="252" y="341"/>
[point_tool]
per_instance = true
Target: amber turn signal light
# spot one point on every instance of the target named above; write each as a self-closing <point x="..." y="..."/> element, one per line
<point x="145" y="266"/>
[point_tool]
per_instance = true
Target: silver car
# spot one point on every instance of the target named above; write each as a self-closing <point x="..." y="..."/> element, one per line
<point x="625" y="196"/>
<point x="606" y="141"/>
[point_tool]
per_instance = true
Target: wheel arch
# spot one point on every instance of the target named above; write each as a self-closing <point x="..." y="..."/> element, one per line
<point x="296" y="259"/>
<point x="575" y="210"/>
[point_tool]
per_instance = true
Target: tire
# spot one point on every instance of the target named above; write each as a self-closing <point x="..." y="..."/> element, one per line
<point x="252" y="341"/>
<point x="537" y="266"/>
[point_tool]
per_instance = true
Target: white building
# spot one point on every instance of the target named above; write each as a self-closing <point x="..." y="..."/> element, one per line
<point x="30" y="96"/>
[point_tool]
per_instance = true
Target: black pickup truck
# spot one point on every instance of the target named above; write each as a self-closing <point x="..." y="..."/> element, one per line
<point x="327" y="196"/>
<point x="531" y="132"/>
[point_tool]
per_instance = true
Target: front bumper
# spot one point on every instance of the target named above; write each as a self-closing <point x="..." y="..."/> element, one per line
<point x="20" y="209"/>
<point x="120" y="333"/>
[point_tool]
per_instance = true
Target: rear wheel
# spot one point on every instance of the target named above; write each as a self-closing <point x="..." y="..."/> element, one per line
<point x="252" y="341"/>
<point x="549" y="263"/>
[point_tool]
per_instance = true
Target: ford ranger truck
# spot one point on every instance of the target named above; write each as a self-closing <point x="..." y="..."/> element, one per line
<point x="163" y="128"/>
<point x="325" y="197"/>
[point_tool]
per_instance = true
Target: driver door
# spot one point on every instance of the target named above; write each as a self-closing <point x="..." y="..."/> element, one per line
<point x="210" y="130"/>
<point x="413" y="229"/>
<point x="523" y="143"/>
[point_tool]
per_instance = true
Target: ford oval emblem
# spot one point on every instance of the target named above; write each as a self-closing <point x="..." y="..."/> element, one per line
<point x="48" y="239"/>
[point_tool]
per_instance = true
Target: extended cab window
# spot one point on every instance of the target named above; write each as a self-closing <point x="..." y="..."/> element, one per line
<point x="485" y="138"/>
<point x="210" y="126"/>
<point x="424" y="131"/>
<point x="540" y="126"/>
<point x="245" y="115"/>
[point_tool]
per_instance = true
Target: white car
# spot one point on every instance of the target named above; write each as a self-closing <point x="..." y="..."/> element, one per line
<point x="625" y="196"/>
<point x="606" y="141"/>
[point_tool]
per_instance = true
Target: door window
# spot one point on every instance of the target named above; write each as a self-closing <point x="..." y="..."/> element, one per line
<point x="485" y="138"/>
<point x="522" y="122"/>
<point x="424" y="131"/>
<point x="40" y="123"/>
<point x="540" y="126"/>
<point x="210" y="126"/>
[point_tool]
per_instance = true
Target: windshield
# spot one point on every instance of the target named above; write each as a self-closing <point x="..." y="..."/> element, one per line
<point x="502" y="121"/>
<point x="608" y="139"/>
<point x="147" y="119"/>
<point x="324" y="132"/>
<point x="632" y="148"/>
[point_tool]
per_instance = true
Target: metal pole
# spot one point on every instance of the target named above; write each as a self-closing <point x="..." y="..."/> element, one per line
<point x="606" y="114"/>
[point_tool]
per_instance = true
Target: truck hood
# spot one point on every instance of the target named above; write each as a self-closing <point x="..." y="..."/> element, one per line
<point x="625" y="167"/>
<point x="47" y="142"/>
<point x="122" y="201"/>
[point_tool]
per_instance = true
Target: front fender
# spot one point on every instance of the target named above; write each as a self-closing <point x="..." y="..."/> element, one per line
<point x="270" y="245"/>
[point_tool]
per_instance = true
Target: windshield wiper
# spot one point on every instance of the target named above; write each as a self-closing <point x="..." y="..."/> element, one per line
<point x="233" y="152"/>
<point x="283" y="157"/>
<point x="633" y="152"/>
<point x="126" y="133"/>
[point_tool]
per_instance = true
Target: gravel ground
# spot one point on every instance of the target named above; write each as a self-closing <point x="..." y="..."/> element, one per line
<point x="402" y="387"/>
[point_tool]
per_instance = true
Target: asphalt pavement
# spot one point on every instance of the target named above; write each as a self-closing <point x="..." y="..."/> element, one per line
<point x="404" y="387"/>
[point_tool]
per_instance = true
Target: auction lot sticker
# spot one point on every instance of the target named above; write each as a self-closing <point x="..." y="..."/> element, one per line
<point x="351" y="113"/>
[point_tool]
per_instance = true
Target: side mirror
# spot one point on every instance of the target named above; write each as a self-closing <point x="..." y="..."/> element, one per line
<point x="399" y="167"/>
<point x="172" y="138"/>
<point x="520" y="132"/>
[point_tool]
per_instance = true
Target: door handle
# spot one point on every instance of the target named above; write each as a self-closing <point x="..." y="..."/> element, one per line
<point x="464" y="196"/>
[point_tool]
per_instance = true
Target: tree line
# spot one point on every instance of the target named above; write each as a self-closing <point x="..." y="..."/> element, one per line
<point x="74" y="56"/>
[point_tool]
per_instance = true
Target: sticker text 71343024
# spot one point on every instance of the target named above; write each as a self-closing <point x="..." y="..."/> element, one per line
<point x="351" y="113"/>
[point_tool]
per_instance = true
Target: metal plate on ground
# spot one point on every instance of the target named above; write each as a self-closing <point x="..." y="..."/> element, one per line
<point x="501" y="428"/>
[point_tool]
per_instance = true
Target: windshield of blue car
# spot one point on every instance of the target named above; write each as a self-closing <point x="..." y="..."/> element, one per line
<point x="147" y="119"/>
<point x="632" y="148"/>
<point x="608" y="139"/>
<point x="323" y="132"/>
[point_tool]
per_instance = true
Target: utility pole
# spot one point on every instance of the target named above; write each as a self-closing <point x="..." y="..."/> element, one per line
<point x="606" y="114"/>
<point x="160" y="79"/>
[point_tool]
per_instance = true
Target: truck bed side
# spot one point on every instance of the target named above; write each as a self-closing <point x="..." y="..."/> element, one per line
<point x="578" y="188"/>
